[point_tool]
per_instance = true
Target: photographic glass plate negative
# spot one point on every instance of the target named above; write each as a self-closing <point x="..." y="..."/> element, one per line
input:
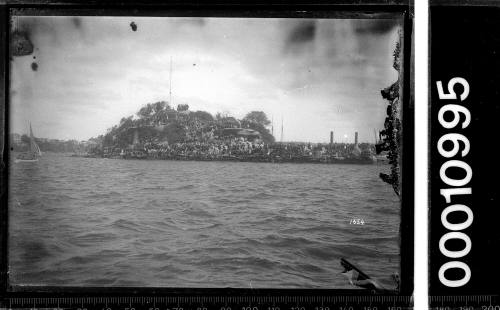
<point x="189" y="157"/>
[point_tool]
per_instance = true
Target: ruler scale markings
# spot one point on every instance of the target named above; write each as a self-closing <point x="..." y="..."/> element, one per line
<point x="260" y="302"/>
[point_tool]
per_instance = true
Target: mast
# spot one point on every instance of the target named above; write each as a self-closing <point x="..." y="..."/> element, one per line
<point x="170" y="91"/>
<point x="34" y="148"/>
<point x="32" y="139"/>
<point x="281" y="128"/>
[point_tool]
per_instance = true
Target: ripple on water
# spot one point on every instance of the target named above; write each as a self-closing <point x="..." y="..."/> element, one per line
<point x="80" y="221"/>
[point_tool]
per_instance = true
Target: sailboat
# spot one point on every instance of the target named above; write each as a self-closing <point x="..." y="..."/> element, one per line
<point x="33" y="152"/>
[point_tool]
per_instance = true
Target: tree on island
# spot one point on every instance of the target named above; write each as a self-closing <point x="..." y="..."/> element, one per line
<point x="126" y="122"/>
<point x="146" y="111"/>
<point x="182" y="107"/>
<point x="257" y="117"/>
<point x="203" y="116"/>
<point x="158" y="106"/>
<point x="158" y="121"/>
<point x="257" y="120"/>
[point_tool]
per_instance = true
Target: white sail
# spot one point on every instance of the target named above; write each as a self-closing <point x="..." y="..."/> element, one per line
<point x="33" y="153"/>
<point x="34" y="148"/>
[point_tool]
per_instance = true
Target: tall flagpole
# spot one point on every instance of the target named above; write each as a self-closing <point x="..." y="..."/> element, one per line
<point x="282" y="128"/>
<point x="170" y="92"/>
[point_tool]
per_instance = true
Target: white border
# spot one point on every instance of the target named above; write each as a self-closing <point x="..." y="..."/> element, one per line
<point x="421" y="154"/>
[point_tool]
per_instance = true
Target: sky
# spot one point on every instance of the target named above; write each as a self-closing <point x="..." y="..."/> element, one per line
<point x="311" y="75"/>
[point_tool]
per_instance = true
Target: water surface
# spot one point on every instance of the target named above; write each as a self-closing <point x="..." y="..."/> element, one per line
<point x="103" y="222"/>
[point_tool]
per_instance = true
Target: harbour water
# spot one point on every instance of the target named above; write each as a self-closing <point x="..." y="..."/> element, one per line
<point x="104" y="222"/>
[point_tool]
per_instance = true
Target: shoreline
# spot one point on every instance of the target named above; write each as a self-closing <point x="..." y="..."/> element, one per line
<point x="358" y="161"/>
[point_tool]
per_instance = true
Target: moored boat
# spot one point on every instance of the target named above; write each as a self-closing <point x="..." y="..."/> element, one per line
<point x="33" y="152"/>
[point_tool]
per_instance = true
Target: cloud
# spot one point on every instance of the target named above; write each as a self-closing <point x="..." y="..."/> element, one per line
<point x="318" y="74"/>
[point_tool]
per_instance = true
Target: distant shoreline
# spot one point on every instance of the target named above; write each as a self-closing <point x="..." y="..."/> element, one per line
<point x="257" y="159"/>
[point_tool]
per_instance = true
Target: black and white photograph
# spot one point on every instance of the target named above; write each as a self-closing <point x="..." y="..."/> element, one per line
<point x="205" y="152"/>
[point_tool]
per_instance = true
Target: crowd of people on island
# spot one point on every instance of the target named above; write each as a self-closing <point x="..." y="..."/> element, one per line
<point x="240" y="148"/>
<point x="187" y="135"/>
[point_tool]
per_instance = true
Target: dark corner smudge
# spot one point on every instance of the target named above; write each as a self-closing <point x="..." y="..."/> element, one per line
<point x="21" y="44"/>
<point x="375" y="26"/>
